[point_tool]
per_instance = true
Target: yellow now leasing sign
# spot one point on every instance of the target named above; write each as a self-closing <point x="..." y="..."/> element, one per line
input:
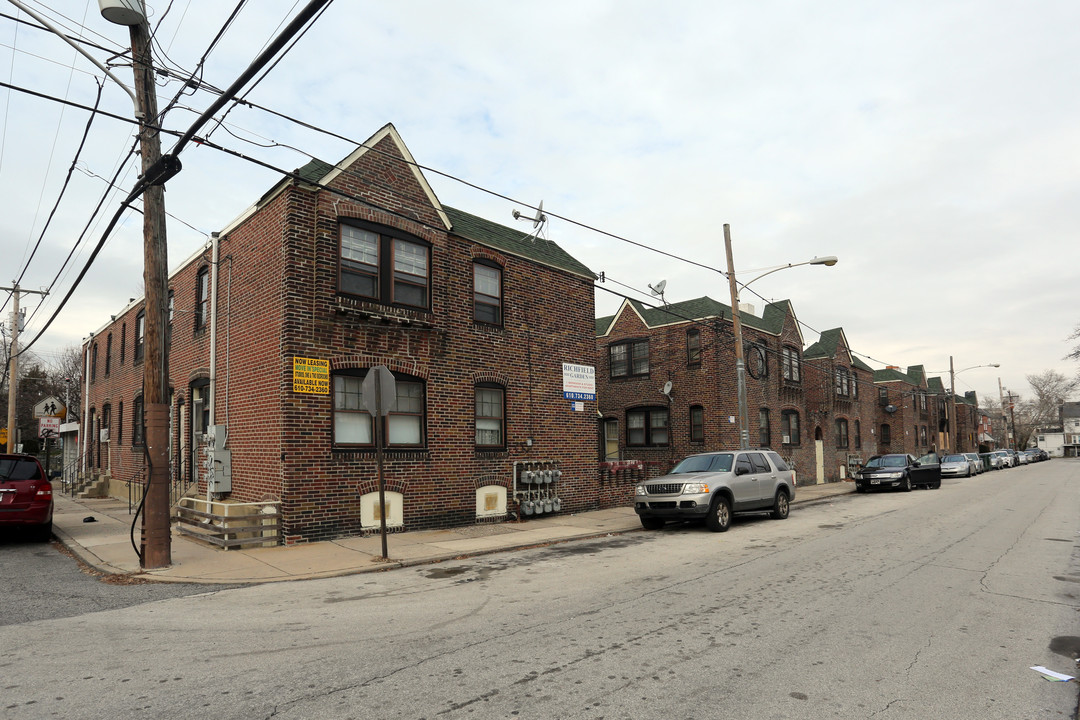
<point x="311" y="375"/>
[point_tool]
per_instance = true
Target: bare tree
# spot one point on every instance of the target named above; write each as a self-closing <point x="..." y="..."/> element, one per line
<point x="1051" y="389"/>
<point x="1074" y="354"/>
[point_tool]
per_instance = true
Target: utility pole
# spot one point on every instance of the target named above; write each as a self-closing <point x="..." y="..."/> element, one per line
<point x="1012" y="414"/>
<point x="740" y="363"/>
<point x="156" y="535"/>
<point x="954" y="430"/>
<point x="1004" y="424"/>
<point x="156" y="529"/>
<point x="13" y="361"/>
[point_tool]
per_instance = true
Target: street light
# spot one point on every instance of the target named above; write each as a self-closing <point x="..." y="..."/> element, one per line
<point x="736" y="321"/>
<point x="954" y="430"/>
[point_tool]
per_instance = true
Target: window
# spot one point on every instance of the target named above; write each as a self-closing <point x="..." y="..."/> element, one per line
<point x="404" y="426"/>
<point x="202" y="298"/>
<point x="120" y="421"/>
<point x="629" y="359"/>
<point x="764" y="432"/>
<point x="693" y="347"/>
<point x="647" y="427"/>
<point x="858" y="435"/>
<point x="140" y="335"/>
<point x="384" y="265"/>
<point x="487" y="294"/>
<point x="922" y="401"/>
<point x="137" y="421"/>
<point x="922" y="437"/>
<point x="789" y="427"/>
<point x="841" y="433"/>
<point x="854" y="385"/>
<point x="123" y="341"/>
<point x="697" y="424"/>
<point x="489" y="416"/>
<point x="883" y="396"/>
<point x="789" y="358"/>
<point x="886" y="435"/>
<point x="759" y="463"/>
<point x="842" y="382"/>
<point x="108" y="354"/>
<point x="93" y="363"/>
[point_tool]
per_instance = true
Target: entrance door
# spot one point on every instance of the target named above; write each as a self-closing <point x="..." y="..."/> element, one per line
<point x="611" y="439"/>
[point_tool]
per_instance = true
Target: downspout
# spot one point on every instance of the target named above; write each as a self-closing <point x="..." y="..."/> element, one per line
<point x="86" y="404"/>
<point x="214" y="238"/>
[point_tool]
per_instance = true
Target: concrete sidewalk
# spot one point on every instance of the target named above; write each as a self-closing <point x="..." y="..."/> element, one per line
<point x="104" y="543"/>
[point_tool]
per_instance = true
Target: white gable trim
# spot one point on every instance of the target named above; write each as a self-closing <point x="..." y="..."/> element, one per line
<point x="390" y="131"/>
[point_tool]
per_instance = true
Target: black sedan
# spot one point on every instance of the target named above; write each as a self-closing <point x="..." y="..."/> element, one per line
<point x="899" y="471"/>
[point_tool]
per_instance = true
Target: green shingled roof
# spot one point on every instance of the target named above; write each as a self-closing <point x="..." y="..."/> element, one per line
<point x="483" y="231"/>
<point x="772" y="320"/>
<point x="514" y="242"/>
<point x="892" y="375"/>
<point x="860" y="364"/>
<point x="603" y="324"/>
<point x="826" y="345"/>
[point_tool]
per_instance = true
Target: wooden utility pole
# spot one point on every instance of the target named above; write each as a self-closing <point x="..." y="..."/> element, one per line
<point x="156" y="529"/>
<point x="740" y="363"/>
<point x="13" y="363"/>
<point x="954" y="425"/>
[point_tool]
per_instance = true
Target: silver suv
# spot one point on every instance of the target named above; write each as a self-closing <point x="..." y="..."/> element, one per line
<point x="711" y="486"/>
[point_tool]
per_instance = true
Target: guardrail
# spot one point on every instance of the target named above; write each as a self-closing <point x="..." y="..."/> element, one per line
<point x="229" y="524"/>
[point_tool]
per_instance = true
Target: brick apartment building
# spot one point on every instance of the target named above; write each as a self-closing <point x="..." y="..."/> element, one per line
<point x="690" y="344"/>
<point x="823" y="409"/>
<point x="346" y="268"/>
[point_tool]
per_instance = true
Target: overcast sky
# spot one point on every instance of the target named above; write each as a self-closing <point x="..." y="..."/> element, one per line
<point x="933" y="146"/>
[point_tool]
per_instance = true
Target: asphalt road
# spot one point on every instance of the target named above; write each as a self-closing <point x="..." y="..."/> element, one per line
<point x="930" y="604"/>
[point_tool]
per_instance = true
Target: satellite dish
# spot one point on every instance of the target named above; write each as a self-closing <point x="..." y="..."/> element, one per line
<point x="658" y="289"/>
<point x="539" y="218"/>
<point x="667" y="388"/>
<point x="890" y="409"/>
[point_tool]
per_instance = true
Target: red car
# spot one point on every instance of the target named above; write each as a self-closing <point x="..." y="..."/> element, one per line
<point x="26" y="499"/>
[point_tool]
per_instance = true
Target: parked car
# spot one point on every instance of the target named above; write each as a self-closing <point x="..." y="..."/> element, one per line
<point x="26" y="500"/>
<point x="956" y="466"/>
<point x="1014" y="457"/>
<point x="899" y="471"/>
<point x="1022" y="457"/>
<point x="976" y="462"/>
<point x="712" y="486"/>
<point x="1041" y="454"/>
<point x="1001" y="459"/>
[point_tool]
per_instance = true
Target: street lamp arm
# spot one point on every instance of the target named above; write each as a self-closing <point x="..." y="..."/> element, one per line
<point x="828" y="260"/>
<point x="58" y="33"/>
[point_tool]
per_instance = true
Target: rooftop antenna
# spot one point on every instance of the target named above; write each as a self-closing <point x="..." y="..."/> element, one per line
<point x="658" y="290"/>
<point x="537" y="221"/>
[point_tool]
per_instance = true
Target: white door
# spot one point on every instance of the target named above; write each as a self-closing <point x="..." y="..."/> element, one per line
<point x="819" y="448"/>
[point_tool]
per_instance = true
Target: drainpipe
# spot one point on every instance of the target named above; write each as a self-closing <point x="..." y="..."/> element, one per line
<point x="214" y="239"/>
<point x="83" y="428"/>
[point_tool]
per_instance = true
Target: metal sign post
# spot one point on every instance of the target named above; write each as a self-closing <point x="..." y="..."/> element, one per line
<point x="379" y="393"/>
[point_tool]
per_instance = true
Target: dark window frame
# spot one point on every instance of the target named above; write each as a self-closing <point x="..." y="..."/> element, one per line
<point x="693" y="347"/>
<point x="858" y="435"/>
<point x="123" y="341"/>
<point x="649" y="427"/>
<point x="356" y="378"/>
<point x="138" y="429"/>
<point x="791" y="364"/>
<point x="202" y="298"/>
<point x="384" y="273"/>
<point x="697" y="424"/>
<point x="885" y="437"/>
<point x="488" y="387"/>
<point x="93" y="362"/>
<point x="108" y="355"/>
<point x="630" y="352"/>
<point x="483" y="300"/>
<point x="842" y="382"/>
<point x="139" y="349"/>
<point x="843" y="440"/>
<point x="764" y="428"/>
<point x="794" y="436"/>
